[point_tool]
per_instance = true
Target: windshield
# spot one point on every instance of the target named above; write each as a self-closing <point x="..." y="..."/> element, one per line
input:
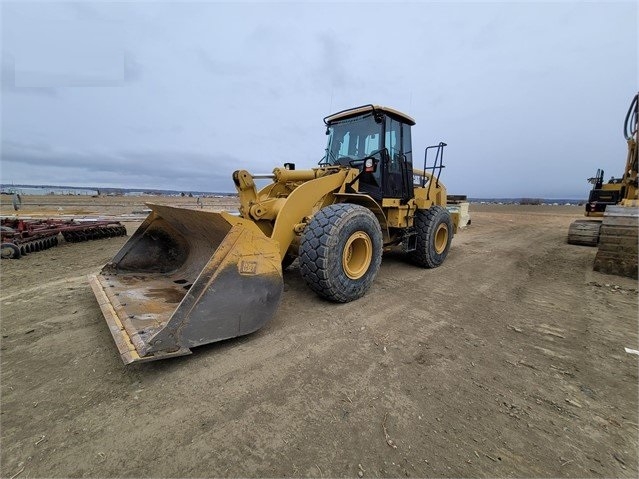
<point x="352" y="139"/>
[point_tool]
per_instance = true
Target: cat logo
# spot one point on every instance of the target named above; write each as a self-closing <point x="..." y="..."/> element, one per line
<point x="248" y="267"/>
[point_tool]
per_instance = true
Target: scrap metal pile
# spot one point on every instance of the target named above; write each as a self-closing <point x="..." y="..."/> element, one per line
<point x="22" y="236"/>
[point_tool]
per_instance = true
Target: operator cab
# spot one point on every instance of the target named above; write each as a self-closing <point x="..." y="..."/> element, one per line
<point x="378" y="133"/>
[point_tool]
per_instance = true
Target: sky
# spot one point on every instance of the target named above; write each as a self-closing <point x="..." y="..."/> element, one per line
<point x="529" y="96"/>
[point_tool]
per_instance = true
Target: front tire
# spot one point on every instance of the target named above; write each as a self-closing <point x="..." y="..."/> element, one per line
<point x="434" y="229"/>
<point x="341" y="251"/>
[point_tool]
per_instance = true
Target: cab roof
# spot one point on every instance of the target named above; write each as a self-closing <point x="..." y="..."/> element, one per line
<point x="359" y="110"/>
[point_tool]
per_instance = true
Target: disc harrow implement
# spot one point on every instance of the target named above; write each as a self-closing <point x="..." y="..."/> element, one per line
<point x="21" y="236"/>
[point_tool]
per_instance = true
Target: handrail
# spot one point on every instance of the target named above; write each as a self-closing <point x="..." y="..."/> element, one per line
<point x="439" y="157"/>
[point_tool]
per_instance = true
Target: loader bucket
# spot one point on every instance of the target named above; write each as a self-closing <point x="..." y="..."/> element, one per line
<point x="187" y="278"/>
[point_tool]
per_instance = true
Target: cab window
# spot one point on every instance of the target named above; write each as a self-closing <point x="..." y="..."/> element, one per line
<point x="393" y="144"/>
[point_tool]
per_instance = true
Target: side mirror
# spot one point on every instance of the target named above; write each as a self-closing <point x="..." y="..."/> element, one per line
<point x="367" y="164"/>
<point x="370" y="165"/>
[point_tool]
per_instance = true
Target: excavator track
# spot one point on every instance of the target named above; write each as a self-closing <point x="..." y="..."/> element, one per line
<point x="584" y="232"/>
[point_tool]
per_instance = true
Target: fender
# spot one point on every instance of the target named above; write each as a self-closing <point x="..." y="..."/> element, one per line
<point x="371" y="204"/>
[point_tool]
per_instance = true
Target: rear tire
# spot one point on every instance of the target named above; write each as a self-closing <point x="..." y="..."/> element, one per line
<point x="341" y="251"/>
<point x="434" y="229"/>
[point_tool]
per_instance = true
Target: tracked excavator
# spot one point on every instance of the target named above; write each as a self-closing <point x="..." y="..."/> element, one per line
<point x="612" y="209"/>
<point x="187" y="278"/>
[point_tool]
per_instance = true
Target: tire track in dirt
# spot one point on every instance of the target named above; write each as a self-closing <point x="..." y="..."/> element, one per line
<point x="42" y="289"/>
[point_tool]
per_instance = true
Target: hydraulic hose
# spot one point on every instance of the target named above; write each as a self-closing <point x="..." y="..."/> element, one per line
<point x="630" y="123"/>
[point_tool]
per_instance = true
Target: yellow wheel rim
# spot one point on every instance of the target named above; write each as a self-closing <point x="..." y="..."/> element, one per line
<point x="441" y="238"/>
<point x="357" y="255"/>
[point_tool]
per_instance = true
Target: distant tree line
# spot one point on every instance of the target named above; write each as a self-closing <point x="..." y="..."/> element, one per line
<point x="531" y="201"/>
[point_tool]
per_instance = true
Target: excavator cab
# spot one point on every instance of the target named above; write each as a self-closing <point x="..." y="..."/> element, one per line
<point x="625" y="189"/>
<point x="383" y="136"/>
<point x="603" y="194"/>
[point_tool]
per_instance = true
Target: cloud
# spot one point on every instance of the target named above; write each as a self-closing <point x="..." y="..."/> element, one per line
<point x="8" y="77"/>
<point x="332" y="64"/>
<point x="159" y="169"/>
<point x="529" y="97"/>
<point x="217" y="67"/>
<point x="132" y="68"/>
<point x="84" y="11"/>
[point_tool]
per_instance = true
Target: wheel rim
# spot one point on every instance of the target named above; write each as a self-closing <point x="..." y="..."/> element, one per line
<point x="10" y="250"/>
<point x="357" y="255"/>
<point x="441" y="238"/>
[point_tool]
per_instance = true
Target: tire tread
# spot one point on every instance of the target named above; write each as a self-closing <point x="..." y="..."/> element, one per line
<point x="319" y="239"/>
<point x="425" y="227"/>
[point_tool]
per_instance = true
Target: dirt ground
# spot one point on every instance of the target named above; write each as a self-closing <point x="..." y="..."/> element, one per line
<point x="508" y="360"/>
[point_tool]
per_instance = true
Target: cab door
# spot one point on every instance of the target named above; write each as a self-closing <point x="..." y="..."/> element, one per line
<point x="397" y="164"/>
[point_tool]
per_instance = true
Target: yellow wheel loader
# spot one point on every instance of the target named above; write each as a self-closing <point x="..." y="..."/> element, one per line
<point x="188" y="277"/>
